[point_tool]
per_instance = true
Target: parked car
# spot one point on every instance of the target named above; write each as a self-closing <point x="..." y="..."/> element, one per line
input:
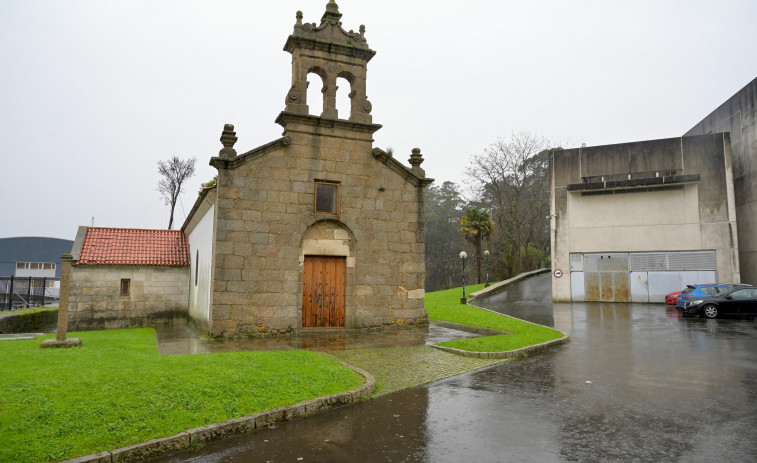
<point x="696" y="291"/>
<point x="672" y="298"/>
<point x="739" y="301"/>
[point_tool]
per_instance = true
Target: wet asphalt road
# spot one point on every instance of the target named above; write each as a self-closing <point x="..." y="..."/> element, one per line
<point x="636" y="383"/>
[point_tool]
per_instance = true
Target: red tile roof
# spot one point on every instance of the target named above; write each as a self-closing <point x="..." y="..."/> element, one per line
<point x="132" y="246"/>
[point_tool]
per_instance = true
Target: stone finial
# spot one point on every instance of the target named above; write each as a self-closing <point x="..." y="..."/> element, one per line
<point x="416" y="159"/>
<point x="299" y="20"/>
<point x="332" y="13"/>
<point x="228" y="138"/>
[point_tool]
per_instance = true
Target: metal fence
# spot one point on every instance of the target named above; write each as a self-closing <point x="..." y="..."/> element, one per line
<point x="18" y="292"/>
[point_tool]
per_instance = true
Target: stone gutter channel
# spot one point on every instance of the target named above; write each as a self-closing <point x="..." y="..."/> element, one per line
<point x="217" y="431"/>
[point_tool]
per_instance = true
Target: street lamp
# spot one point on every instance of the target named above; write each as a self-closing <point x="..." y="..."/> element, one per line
<point x="463" y="255"/>
<point x="486" y="262"/>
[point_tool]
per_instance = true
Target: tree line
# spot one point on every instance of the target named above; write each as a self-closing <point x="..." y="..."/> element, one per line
<point x="503" y="208"/>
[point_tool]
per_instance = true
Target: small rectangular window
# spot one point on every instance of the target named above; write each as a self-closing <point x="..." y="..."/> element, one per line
<point x="20" y="265"/>
<point x="48" y="266"/>
<point x="125" y="283"/>
<point x="326" y="197"/>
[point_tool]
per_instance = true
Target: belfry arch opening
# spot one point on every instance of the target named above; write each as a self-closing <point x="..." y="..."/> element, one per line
<point x="344" y="97"/>
<point x="316" y="91"/>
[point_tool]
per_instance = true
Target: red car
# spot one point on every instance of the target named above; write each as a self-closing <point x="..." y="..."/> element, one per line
<point x="672" y="298"/>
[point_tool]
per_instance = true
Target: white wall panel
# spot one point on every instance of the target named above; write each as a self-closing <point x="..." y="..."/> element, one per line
<point x="639" y="287"/>
<point x="201" y="245"/>
<point x="577" y="286"/>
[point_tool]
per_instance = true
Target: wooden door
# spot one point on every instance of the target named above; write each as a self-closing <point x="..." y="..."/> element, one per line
<point x="323" y="291"/>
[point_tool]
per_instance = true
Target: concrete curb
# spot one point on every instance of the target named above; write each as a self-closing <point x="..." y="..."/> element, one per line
<point x="216" y="431"/>
<point x="504" y="284"/>
<point x="509" y="353"/>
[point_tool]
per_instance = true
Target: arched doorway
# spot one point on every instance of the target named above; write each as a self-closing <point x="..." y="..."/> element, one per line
<point x="327" y="261"/>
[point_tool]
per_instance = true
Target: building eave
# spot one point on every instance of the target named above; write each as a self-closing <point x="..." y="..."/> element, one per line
<point x="399" y="168"/>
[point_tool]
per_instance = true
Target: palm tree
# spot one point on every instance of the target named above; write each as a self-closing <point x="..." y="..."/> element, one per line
<point x="477" y="226"/>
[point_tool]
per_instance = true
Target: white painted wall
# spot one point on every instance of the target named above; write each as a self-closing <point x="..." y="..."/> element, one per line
<point x="655" y="220"/>
<point x="41" y="273"/>
<point x="201" y="257"/>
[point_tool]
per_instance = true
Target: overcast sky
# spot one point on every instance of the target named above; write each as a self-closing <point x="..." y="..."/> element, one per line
<point x="94" y="93"/>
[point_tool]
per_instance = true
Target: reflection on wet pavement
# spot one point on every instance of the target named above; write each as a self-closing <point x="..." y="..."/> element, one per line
<point x="183" y="339"/>
<point x="636" y="383"/>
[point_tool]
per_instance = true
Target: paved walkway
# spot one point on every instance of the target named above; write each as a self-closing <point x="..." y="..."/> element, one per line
<point x="397" y="358"/>
<point x="398" y="368"/>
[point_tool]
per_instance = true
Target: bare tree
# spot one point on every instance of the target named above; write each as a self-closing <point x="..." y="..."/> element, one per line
<point x="175" y="172"/>
<point x="512" y="180"/>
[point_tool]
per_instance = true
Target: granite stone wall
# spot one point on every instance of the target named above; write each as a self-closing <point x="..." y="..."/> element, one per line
<point x="266" y="224"/>
<point x="156" y="295"/>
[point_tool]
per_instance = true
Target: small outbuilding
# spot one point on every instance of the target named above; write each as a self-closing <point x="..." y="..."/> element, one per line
<point x="125" y="277"/>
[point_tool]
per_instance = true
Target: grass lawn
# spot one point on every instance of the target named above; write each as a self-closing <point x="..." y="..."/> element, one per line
<point x="445" y="306"/>
<point x="116" y="390"/>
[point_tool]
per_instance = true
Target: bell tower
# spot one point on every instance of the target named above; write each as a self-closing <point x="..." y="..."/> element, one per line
<point x="330" y="52"/>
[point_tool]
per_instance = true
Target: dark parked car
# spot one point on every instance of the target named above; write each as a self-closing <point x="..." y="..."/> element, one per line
<point x="739" y="301"/>
<point x="696" y="291"/>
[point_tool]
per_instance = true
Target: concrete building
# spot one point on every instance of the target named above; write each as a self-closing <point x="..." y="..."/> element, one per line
<point x="32" y="256"/>
<point x="650" y="217"/>
<point x="634" y="221"/>
<point x="738" y="117"/>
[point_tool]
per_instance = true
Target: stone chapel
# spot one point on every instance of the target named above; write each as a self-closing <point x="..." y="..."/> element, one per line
<point x="316" y="229"/>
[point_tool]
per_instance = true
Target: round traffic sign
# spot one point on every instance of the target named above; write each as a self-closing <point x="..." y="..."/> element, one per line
<point x="558" y="273"/>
